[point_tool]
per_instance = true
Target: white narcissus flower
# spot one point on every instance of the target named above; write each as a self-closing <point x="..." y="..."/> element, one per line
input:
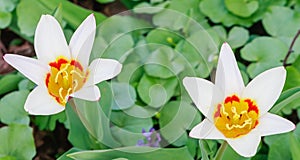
<point x="61" y="70"/>
<point x="234" y="112"/>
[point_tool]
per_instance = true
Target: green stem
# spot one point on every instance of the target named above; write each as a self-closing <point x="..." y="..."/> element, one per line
<point x="220" y="153"/>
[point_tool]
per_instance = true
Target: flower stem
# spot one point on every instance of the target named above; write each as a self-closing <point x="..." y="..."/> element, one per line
<point x="290" y="49"/>
<point x="220" y="153"/>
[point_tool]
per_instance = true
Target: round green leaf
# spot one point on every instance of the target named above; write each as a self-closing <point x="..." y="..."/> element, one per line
<point x="242" y="8"/>
<point x="217" y="12"/>
<point x="124" y="95"/>
<point x="237" y="37"/>
<point x="12" y="108"/>
<point x="281" y="21"/>
<point x="164" y="63"/>
<point x="7" y="6"/>
<point x="156" y="92"/>
<point x="17" y="141"/>
<point x="264" y="53"/>
<point x="9" y="83"/>
<point x="5" y="19"/>
<point x="163" y="37"/>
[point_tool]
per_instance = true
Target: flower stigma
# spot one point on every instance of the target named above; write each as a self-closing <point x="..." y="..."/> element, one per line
<point x="65" y="77"/>
<point x="236" y="117"/>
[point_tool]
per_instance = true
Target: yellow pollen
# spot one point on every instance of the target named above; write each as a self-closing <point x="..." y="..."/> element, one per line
<point x="65" y="77"/>
<point x="236" y="117"/>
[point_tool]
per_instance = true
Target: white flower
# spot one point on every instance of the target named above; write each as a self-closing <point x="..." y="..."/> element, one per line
<point x="236" y="113"/>
<point x="61" y="70"/>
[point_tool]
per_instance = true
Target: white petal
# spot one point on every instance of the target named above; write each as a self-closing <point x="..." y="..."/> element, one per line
<point x="246" y="145"/>
<point x="266" y="88"/>
<point x="228" y="75"/>
<point x="270" y="124"/>
<point x="90" y="93"/>
<point x="206" y="130"/>
<point x="49" y="40"/>
<point x="31" y="68"/>
<point x="201" y="92"/>
<point x="39" y="102"/>
<point x="82" y="40"/>
<point x="103" y="69"/>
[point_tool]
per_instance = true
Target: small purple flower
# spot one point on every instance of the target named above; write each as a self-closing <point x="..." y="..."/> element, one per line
<point x="152" y="138"/>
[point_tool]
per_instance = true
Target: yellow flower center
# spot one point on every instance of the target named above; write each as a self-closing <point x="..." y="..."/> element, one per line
<point x="65" y="77"/>
<point x="236" y="117"/>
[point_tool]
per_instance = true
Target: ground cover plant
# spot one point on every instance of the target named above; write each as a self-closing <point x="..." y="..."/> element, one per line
<point x="145" y="91"/>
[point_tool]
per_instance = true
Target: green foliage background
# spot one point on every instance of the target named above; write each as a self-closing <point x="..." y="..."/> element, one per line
<point x="159" y="42"/>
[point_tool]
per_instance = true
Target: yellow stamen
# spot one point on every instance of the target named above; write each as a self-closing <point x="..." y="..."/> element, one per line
<point x="66" y="77"/>
<point x="236" y="117"/>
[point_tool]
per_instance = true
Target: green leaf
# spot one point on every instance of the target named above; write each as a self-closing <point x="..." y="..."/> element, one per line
<point x="288" y="100"/>
<point x="131" y="73"/>
<point x="78" y="134"/>
<point x="208" y="149"/>
<point x="242" y="8"/>
<point x="217" y="12"/>
<point x="164" y="63"/>
<point x="135" y="153"/>
<point x="128" y="129"/>
<point x="279" y="146"/>
<point x="149" y="8"/>
<point x="140" y="112"/>
<point x="94" y="114"/>
<point x="116" y="49"/>
<point x="131" y="123"/>
<point x="26" y="84"/>
<point x="124" y="95"/>
<point x="49" y="122"/>
<point x="281" y="21"/>
<point x="28" y="17"/>
<point x="105" y="1"/>
<point x="5" y="19"/>
<point x="8" y="6"/>
<point x="73" y="14"/>
<point x="295" y="145"/>
<point x="156" y="92"/>
<point x="229" y="153"/>
<point x="9" y="83"/>
<point x="162" y="36"/>
<point x="179" y="14"/>
<point x="199" y="52"/>
<point x="12" y="108"/>
<point x="65" y="157"/>
<point x="175" y="118"/>
<point x="17" y="141"/>
<point x="293" y="75"/>
<point x="264" y="53"/>
<point x="237" y="37"/>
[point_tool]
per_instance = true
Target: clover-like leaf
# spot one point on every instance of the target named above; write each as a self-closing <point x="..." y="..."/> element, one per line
<point x="164" y="63"/>
<point x="5" y="19"/>
<point x="12" y="108"/>
<point x="242" y="8"/>
<point x="124" y="96"/>
<point x="216" y="10"/>
<point x="156" y="92"/>
<point x="281" y="21"/>
<point x="17" y="142"/>
<point x="264" y="53"/>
